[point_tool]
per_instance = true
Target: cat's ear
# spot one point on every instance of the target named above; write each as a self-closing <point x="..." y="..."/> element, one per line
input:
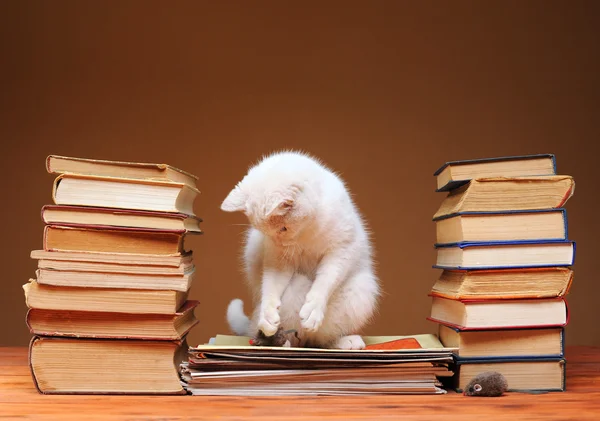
<point x="235" y="201"/>
<point x="281" y="207"/>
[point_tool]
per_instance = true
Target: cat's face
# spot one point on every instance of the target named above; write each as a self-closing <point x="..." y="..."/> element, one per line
<point x="280" y="212"/>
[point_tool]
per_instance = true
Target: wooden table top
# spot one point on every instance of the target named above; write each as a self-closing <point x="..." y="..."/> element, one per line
<point x="19" y="400"/>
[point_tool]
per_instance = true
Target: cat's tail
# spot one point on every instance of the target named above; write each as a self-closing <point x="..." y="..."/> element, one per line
<point x="237" y="319"/>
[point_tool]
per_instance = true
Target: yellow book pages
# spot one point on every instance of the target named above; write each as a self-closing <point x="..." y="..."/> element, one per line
<point x="91" y="366"/>
<point x="58" y="238"/>
<point x="508" y="194"/>
<point x="113" y="300"/>
<point x="124" y="193"/>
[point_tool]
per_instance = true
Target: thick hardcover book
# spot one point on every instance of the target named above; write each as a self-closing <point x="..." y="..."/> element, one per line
<point x="538" y="374"/>
<point x="531" y="225"/>
<point x="499" y="314"/>
<point x="454" y="174"/>
<point x="504" y="283"/>
<point x="508" y="194"/>
<point x="111" y="300"/>
<point x="504" y="343"/>
<point x="505" y="254"/>
<point x="124" y="193"/>
<point x="97" y="325"/>
<point x="105" y="366"/>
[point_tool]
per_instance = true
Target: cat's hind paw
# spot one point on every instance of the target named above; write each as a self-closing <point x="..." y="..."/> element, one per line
<point x="350" y="342"/>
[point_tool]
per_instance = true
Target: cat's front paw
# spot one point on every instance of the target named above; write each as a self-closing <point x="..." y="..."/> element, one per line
<point x="312" y="313"/>
<point x="268" y="322"/>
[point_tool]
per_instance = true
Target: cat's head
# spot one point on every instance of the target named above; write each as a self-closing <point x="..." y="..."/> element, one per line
<point x="279" y="208"/>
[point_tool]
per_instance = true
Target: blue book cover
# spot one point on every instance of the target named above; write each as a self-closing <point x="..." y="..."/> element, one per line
<point x="457" y="183"/>
<point x="499" y="244"/>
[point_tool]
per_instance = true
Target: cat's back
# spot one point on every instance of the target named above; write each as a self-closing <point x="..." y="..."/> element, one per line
<point x="253" y="255"/>
<point x="292" y="166"/>
<point x="287" y="163"/>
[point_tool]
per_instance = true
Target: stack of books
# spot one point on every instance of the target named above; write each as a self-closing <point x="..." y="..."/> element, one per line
<point x="108" y="308"/>
<point x="228" y="366"/>
<point x="502" y="242"/>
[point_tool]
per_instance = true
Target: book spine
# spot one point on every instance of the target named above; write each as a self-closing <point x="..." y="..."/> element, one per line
<point x="57" y="181"/>
<point x="48" y="165"/>
<point x="567" y="195"/>
<point x="43" y="214"/>
<point x="29" y="362"/>
<point x="27" y="320"/>
<point x="564" y="375"/>
<point x="45" y="238"/>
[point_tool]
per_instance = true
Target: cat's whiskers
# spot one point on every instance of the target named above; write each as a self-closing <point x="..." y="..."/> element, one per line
<point x="289" y="252"/>
<point x="283" y="256"/>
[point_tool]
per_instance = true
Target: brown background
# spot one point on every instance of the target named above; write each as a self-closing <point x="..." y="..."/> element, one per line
<point x="384" y="92"/>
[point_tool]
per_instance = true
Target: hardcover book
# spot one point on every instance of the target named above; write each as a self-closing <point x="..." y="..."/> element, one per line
<point x="104" y="366"/>
<point x="86" y="216"/>
<point x="453" y="174"/>
<point x="121" y="193"/>
<point x="499" y="314"/>
<point x="522" y="374"/>
<point x="504" y="283"/>
<point x="503" y="343"/>
<point x="75" y="278"/>
<point x="508" y="194"/>
<point x="56" y="164"/>
<point x="59" y="238"/>
<point x="541" y="224"/>
<point x="111" y="300"/>
<point x="505" y="254"/>
<point x="91" y="324"/>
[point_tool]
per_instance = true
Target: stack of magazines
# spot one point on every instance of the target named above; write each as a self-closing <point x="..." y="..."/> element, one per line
<point x="228" y="366"/>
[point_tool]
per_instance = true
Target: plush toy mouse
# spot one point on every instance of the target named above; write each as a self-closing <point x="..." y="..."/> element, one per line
<point x="278" y="339"/>
<point x="488" y="383"/>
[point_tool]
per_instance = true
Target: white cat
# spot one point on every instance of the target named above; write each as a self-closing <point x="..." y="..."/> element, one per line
<point x="307" y="255"/>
